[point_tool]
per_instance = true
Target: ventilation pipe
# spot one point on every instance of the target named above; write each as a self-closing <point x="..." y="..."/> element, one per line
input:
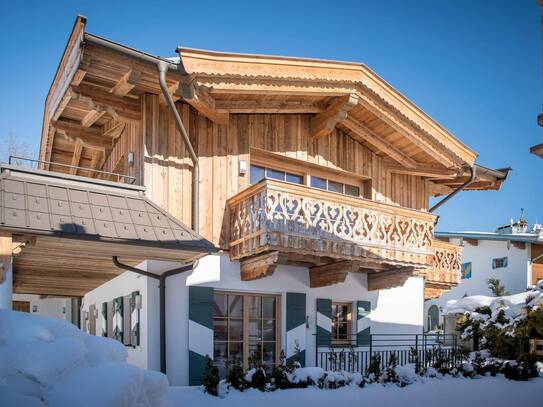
<point x="457" y="190"/>
<point x="163" y="66"/>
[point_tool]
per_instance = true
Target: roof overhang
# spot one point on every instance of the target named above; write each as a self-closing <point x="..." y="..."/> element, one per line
<point x="71" y="226"/>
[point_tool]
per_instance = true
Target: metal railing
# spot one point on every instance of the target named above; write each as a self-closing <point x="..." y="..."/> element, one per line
<point x="423" y="350"/>
<point x="13" y="159"/>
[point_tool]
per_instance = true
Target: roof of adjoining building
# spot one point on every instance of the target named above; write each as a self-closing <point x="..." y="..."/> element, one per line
<point x="517" y="237"/>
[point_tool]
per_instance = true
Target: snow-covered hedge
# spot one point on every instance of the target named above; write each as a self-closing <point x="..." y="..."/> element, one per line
<point x="46" y="361"/>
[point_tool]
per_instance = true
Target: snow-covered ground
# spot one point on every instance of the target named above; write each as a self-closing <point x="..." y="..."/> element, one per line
<point x="434" y="392"/>
<point x="49" y="362"/>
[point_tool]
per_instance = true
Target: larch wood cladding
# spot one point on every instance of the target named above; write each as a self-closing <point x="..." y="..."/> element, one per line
<point x="167" y="166"/>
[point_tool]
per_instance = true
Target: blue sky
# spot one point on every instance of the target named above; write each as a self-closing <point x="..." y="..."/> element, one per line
<point x="474" y="66"/>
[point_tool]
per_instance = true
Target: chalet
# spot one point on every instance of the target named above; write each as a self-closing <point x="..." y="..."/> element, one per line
<point x="231" y="205"/>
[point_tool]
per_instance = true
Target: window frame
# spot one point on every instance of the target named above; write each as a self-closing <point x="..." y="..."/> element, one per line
<point x="500" y="262"/>
<point x="245" y="321"/>
<point x="334" y="340"/>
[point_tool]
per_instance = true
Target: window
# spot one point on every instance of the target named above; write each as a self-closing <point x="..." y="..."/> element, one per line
<point x="500" y="262"/>
<point x="245" y="328"/>
<point x="333" y="186"/>
<point x="466" y="270"/>
<point x="341" y="322"/>
<point x="258" y="173"/>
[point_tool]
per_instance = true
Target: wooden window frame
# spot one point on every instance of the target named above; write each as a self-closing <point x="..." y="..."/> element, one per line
<point x="245" y="318"/>
<point x="504" y="260"/>
<point x="341" y="342"/>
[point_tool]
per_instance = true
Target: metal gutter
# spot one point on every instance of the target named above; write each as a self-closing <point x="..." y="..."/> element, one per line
<point x="162" y="287"/>
<point x="490" y="236"/>
<point x="473" y="171"/>
<point x="163" y="66"/>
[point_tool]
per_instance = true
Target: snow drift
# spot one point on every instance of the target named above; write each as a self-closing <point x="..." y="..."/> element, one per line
<point x="50" y="362"/>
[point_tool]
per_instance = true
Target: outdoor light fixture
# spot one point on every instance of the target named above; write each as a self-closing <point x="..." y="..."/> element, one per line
<point x="137" y="301"/>
<point x="130" y="158"/>
<point x="85" y="315"/>
<point x="34" y="308"/>
<point x="242" y="167"/>
<point x="64" y="310"/>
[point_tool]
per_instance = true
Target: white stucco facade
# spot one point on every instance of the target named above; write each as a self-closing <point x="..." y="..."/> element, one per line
<point x="396" y="310"/>
<point x="53" y="307"/>
<point x="515" y="277"/>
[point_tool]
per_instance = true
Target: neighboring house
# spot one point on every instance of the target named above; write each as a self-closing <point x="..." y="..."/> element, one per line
<point x="512" y="255"/>
<point x="266" y="205"/>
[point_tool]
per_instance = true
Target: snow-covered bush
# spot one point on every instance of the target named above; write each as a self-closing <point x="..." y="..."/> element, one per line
<point x="210" y="378"/>
<point x="46" y="361"/>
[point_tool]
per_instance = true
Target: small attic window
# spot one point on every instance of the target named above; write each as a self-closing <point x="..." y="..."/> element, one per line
<point x="499" y="263"/>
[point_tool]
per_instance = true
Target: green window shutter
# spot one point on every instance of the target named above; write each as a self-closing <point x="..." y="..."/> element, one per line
<point x="118" y="319"/>
<point x="104" y="319"/>
<point x="324" y="322"/>
<point x="200" y="331"/>
<point x="134" y="320"/>
<point x="296" y="327"/>
<point x="363" y="329"/>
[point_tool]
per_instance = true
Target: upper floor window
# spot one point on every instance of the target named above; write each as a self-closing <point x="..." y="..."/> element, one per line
<point x="334" y="186"/>
<point x="258" y="173"/>
<point x="466" y="270"/>
<point x="500" y="262"/>
<point x="341" y="322"/>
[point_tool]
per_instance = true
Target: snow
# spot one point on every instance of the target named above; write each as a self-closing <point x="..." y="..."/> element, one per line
<point x="46" y="361"/>
<point x="444" y="392"/>
<point x="513" y="305"/>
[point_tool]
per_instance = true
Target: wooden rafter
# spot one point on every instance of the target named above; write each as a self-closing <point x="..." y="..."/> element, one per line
<point x="267" y="106"/>
<point x="422" y="170"/>
<point x="78" y="149"/>
<point x="114" y="131"/>
<point x="92" y="137"/>
<point x="78" y="77"/>
<point x="324" y="123"/>
<point x="331" y="273"/>
<point x="127" y="82"/>
<point x="202" y="101"/>
<point x="399" y="123"/>
<point x="69" y="95"/>
<point x="259" y="266"/>
<point x="361" y="131"/>
<point x="389" y="279"/>
<point x="92" y="116"/>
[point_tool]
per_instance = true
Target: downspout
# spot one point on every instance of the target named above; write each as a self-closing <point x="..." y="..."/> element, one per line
<point x="163" y="67"/>
<point x="457" y="190"/>
<point x="162" y="298"/>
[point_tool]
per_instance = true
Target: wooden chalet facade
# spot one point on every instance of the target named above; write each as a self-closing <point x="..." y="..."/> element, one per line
<point x="302" y="162"/>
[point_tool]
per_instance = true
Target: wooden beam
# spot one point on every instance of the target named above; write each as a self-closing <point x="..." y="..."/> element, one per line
<point x="114" y="131"/>
<point x="127" y="82"/>
<point x="422" y="170"/>
<point x="78" y="149"/>
<point x="331" y="273"/>
<point x="267" y="106"/>
<point x="97" y="161"/>
<point x="91" y="137"/>
<point x="69" y="95"/>
<point x="473" y="242"/>
<point x="78" y="77"/>
<point x="519" y="245"/>
<point x="92" y="116"/>
<point x="389" y="279"/>
<point x="403" y="126"/>
<point x="259" y="266"/>
<point x="125" y="108"/>
<point x="324" y="123"/>
<point x="363" y="132"/>
<point x="201" y="100"/>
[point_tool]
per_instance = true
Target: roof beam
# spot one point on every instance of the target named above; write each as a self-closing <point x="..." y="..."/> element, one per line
<point x="361" y="131"/>
<point x="201" y="100"/>
<point x="78" y="149"/>
<point x="267" y="106"/>
<point x="92" y="137"/>
<point x="69" y="95"/>
<point x="421" y="170"/>
<point x="127" y="82"/>
<point x="399" y="123"/>
<point x="331" y="273"/>
<point x="125" y="108"/>
<point x="92" y="116"/>
<point x="324" y="123"/>
<point x="259" y="266"/>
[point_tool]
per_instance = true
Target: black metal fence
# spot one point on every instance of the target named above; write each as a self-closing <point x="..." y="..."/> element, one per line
<point x="424" y="350"/>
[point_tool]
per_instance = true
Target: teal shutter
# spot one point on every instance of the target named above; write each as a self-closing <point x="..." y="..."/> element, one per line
<point x="363" y="330"/>
<point x="134" y="320"/>
<point x="296" y="327"/>
<point x="104" y="319"/>
<point x="324" y="322"/>
<point x="200" y="331"/>
<point x="118" y="319"/>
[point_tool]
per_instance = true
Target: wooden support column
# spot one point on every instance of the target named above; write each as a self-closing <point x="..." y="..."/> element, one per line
<point x="390" y="278"/>
<point x="76" y="158"/>
<point x="331" y="273"/>
<point x="324" y="123"/>
<point x="259" y="266"/>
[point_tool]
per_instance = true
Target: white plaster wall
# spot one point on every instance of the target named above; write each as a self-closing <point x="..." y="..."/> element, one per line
<point x="146" y="354"/>
<point x="396" y="310"/>
<point x="50" y="306"/>
<point x="6" y="287"/>
<point x="515" y="277"/>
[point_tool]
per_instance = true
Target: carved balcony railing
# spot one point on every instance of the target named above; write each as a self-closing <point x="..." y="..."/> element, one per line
<point x="284" y="217"/>
<point x="445" y="271"/>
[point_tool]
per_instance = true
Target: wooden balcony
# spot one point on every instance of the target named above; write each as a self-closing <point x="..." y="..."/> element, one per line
<point x="445" y="271"/>
<point x="288" y="223"/>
